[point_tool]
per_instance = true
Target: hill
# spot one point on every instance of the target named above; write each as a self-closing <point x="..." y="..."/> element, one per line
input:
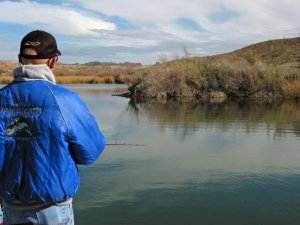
<point x="277" y="52"/>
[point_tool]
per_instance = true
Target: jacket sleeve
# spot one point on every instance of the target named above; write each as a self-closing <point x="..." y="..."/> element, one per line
<point x="83" y="134"/>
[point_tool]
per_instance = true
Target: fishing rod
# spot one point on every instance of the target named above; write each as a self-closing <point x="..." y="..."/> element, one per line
<point x="125" y="144"/>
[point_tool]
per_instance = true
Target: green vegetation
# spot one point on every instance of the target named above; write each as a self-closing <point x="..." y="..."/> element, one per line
<point x="265" y="70"/>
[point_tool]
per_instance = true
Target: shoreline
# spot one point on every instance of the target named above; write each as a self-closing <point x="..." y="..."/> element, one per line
<point x="75" y="80"/>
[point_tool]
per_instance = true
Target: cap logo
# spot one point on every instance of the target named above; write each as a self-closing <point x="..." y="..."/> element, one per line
<point x="31" y="43"/>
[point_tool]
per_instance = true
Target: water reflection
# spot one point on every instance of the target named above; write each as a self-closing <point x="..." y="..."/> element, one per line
<point x="280" y="117"/>
<point x="97" y="90"/>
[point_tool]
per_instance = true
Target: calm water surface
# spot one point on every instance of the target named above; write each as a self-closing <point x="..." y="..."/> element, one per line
<point x="196" y="164"/>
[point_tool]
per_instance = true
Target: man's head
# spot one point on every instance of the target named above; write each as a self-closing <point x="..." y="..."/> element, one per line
<point x="39" y="47"/>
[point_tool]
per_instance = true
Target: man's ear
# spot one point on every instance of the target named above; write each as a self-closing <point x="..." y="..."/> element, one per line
<point x="20" y="59"/>
<point x="52" y="63"/>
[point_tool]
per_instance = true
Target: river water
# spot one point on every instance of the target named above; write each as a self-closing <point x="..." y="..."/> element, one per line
<point x="191" y="163"/>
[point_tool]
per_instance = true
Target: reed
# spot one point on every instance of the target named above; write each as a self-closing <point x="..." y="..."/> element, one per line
<point x="80" y="73"/>
<point x="5" y="79"/>
<point x="72" y="79"/>
<point x="85" y="79"/>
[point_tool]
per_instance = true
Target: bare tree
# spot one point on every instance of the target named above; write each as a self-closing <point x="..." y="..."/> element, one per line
<point x="162" y="58"/>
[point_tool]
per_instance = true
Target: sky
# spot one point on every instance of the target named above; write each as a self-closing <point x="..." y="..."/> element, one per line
<point x="143" y="31"/>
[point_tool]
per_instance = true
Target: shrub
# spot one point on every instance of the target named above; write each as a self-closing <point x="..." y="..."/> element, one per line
<point x="203" y="76"/>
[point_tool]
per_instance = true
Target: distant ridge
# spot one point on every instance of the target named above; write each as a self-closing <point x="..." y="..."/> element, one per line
<point x="96" y="63"/>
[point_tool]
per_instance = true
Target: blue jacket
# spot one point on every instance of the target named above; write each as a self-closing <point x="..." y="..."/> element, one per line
<point x="45" y="130"/>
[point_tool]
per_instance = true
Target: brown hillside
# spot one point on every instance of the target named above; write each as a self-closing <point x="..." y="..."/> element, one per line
<point x="278" y="52"/>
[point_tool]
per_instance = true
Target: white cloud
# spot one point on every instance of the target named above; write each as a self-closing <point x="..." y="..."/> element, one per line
<point x="125" y="38"/>
<point x="248" y="22"/>
<point x="256" y="16"/>
<point x="149" y="12"/>
<point x="154" y="27"/>
<point x="59" y="19"/>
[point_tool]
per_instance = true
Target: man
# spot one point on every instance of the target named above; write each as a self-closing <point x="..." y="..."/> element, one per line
<point x="45" y="131"/>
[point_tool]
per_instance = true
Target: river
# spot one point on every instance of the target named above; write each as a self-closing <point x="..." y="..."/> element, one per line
<point x="191" y="163"/>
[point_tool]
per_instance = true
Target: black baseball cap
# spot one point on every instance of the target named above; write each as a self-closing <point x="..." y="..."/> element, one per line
<point x="42" y="42"/>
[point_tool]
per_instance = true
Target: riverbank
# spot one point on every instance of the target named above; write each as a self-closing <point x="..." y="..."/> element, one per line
<point x="269" y="70"/>
<point x="204" y="78"/>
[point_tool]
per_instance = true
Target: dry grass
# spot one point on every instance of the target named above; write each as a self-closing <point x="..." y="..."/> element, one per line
<point x="77" y="73"/>
<point x="276" y="52"/>
<point x="6" y="67"/>
<point x="85" y="79"/>
<point x="201" y="77"/>
<point x="72" y="79"/>
<point x="291" y="89"/>
<point x="5" y="79"/>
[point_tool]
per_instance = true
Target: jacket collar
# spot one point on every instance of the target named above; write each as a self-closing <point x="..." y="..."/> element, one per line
<point x="33" y="72"/>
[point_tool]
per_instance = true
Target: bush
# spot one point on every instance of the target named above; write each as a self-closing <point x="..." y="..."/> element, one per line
<point x="203" y="76"/>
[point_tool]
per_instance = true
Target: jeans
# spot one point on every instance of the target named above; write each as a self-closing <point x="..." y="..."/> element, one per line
<point x="52" y="215"/>
<point x="1" y="215"/>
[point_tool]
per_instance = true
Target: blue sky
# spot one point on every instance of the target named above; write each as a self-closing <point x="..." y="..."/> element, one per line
<point x="142" y="30"/>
